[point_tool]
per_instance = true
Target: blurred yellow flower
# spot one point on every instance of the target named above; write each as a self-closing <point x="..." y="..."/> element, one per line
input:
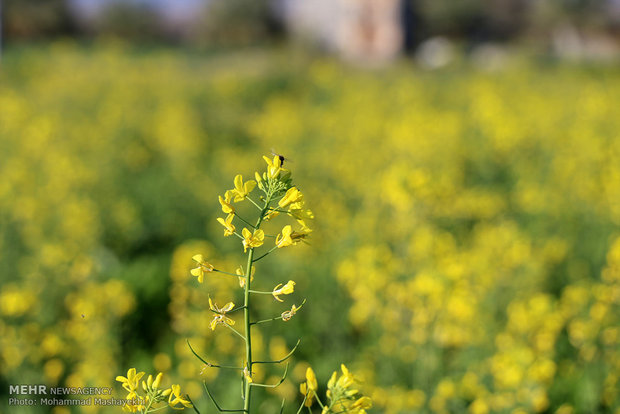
<point x="284" y="290"/>
<point x="307" y="393"/>
<point x="229" y="228"/>
<point x="176" y="398"/>
<point x="225" y="202"/>
<point x="311" y="379"/>
<point x="284" y="239"/>
<point x="239" y="271"/>
<point x="272" y="214"/>
<point x="363" y="403"/>
<point x="252" y="239"/>
<point x="221" y="317"/>
<point x="293" y="195"/>
<point x="203" y="267"/>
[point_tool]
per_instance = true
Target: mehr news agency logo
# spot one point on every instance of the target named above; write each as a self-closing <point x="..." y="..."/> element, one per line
<point x="38" y="394"/>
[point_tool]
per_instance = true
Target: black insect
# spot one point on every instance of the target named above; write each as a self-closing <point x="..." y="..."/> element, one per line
<point x="282" y="157"/>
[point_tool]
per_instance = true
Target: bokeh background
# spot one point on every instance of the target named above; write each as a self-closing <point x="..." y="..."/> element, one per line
<point x="462" y="160"/>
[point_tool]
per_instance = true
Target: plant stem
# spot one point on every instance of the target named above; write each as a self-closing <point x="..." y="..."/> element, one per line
<point x="246" y="314"/>
<point x="248" y="333"/>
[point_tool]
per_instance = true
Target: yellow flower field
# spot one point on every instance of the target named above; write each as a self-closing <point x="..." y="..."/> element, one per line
<point x="464" y="256"/>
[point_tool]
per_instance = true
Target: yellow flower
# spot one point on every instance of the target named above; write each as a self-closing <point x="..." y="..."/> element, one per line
<point x="311" y="379"/>
<point x="293" y="195"/>
<point x="297" y="211"/>
<point x="284" y="290"/>
<point x="252" y="239"/>
<point x="221" y="317"/>
<point x="157" y="381"/>
<point x="241" y="274"/>
<point x="225" y="202"/>
<point x="203" y="267"/>
<point x="229" y="228"/>
<point x="134" y="404"/>
<point x="241" y="190"/>
<point x="272" y="214"/>
<point x="176" y="398"/>
<point x="273" y="167"/>
<point x="347" y="378"/>
<point x="303" y="388"/>
<point x="259" y="180"/>
<point x="362" y="403"/>
<point x="130" y="383"/>
<point x="300" y="235"/>
<point x="332" y="380"/>
<point x="286" y="239"/>
<point x="287" y="315"/>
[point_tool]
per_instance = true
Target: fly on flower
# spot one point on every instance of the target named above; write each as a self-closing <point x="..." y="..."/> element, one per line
<point x="282" y="157"/>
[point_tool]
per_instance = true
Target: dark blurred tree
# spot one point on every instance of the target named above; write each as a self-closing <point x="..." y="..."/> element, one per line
<point x="492" y="20"/>
<point x="129" y="20"/>
<point x="237" y="22"/>
<point x="29" y="19"/>
<point x="478" y="20"/>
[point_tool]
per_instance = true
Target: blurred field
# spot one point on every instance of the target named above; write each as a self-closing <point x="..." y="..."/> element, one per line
<point x="465" y="257"/>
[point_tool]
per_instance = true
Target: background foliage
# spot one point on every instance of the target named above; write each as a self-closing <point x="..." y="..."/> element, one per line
<point x="465" y="254"/>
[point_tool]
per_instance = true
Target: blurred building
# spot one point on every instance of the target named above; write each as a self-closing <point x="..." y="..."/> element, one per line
<point x="367" y="31"/>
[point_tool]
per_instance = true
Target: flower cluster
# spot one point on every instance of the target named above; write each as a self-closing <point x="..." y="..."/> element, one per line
<point x="153" y="394"/>
<point x="341" y="395"/>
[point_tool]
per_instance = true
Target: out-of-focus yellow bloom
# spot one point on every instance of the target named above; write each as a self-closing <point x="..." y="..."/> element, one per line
<point x="308" y="393"/>
<point x="284" y="239"/>
<point x="241" y="274"/>
<point x="241" y="190"/>
<point x="363" y="403"/>
<point x="221" y="317"/>
<point x="130" y="383"/>
<point x="284" y="290"/>
<point x="176" y="398"/>
<point x="203" y="267"/>
<point x="297" y="211"/>
<point x="229" y="228"/>
<point x="301" y="235"/>
<point x="332" y="380"/>
<point x="293" y="195"/>
<point x="347" y="378"/>
<point x="259" y="180"/>
<point x="252" y="239"/>
<point x="287" y="315"/>
<point x="157" y="381"/>
<point x="311" y="379"/>
<point x="272" y="214"/>
<point x="225" y="202"/>
<point x="134" y="404"/>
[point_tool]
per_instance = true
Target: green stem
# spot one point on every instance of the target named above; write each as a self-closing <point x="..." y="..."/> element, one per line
<point x="235" y="331"/>
<point x="260" y="257"/>
<point x="248" y="334"/>
<point x="257" y="206"/>
<point x="266" y="320"/>
<point x="244" y="220"/>
<point x="226" y="273"/>
<point x="246" y="312"/>
<point x="260" y="292"/>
